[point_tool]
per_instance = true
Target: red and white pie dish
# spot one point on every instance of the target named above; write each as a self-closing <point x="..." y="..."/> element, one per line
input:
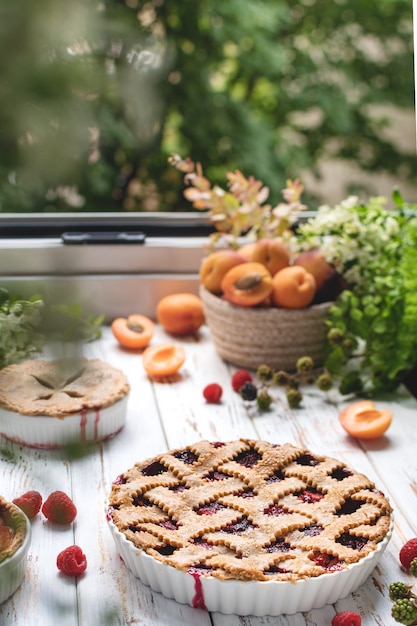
<point x="205" y="529"/>
<point x="13" y="558"/>
<point x="50" y="404"/>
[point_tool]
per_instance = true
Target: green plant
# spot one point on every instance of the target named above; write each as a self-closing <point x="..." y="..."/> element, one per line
<point x="25" y="323"/>
<point x="242" y="208"/>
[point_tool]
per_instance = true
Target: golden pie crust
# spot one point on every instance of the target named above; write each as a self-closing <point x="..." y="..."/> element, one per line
<point x="12" y="529"/>
<point x="61" y="387"/>
<point x="249" y="510"/>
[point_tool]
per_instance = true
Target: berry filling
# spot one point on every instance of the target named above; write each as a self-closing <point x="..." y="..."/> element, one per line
<point x="218" y="444"/>
<point x="313" y="530"/>
<point x="154" y="469"/>
<point x="278" y="545"/>
<point x="276" y="477"/>
<point x="356" y="543"/>
<point x="141" y="501"/>
<point x="307" y="459"/>
<point x="199" y="541"/>
<point x="120" y="480"/>
<point x="187" y="457"/>
<point x="350" y="506"/>
<point x="248" y="458"/>
<point x="239" y="527"/>
<point x="210" y="509"/>
<point x="177" y="488"/>
<point x="310" y="495"/>
<point x="215" y="475"/>
<point x="169" y="524"/>
<point x="341" y="473"/>
<point x="246" y="493"/>
<point x="327" y="561"/>
<point x="199" y="569"/>
<point x="275" y="509"/>
<point x="165" y="550"/>
<point x="274" y="569"/>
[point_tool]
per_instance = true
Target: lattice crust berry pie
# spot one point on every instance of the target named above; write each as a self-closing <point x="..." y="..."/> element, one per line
<point x="61" y="387"/>
<point x="249" y="510"/>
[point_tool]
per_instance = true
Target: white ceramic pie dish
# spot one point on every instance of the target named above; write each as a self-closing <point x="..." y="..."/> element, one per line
<point x="44" y="431"/>
<point x="12" y="569"/>
<point x="259" y="598"/>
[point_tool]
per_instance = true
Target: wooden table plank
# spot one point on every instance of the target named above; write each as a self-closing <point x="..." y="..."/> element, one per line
<point x="170" y="415"/>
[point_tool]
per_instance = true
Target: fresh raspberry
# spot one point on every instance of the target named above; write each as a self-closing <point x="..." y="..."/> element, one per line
<point x="30" y="503"/>
<point x="239" y="378"/>
<point x="408" y="552"/>
<point x="59" y="508"/>
<point x="347" y="618"/>
<point x="212" y="393"/>
<point x="71" y="561"/>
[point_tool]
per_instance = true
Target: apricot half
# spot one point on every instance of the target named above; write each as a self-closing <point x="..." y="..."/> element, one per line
<point x="215" y="266"/>
<point x="293" y="287"/>
<point x="180" y="313"/>
<point x="163" y="359"/>
<point x="133" y="332"/>
<point x="363" y="420"/>
<point x="247" y="284"/>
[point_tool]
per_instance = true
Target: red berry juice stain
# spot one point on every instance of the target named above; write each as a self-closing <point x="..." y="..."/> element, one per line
<point x="96" y="423"/>
<point x="198" y="600"/>
<point x="83" y="424"/>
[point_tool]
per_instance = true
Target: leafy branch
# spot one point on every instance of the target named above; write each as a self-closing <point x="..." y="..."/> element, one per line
<point x="241" y="209"/>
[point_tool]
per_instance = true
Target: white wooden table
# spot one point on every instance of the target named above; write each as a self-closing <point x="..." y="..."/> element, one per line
<point x="163" y="416"/>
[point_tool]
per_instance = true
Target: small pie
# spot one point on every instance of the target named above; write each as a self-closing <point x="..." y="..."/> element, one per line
<point x="249" y="510"/>
<point x="12" y="529"/>
<point x="61" y="387"/>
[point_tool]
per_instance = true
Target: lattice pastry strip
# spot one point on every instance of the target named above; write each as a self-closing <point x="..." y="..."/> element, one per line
<point x="249" y="509"/>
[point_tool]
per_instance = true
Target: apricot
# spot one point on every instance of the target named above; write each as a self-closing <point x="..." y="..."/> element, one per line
<point x="293" y="287"/>
<point x="272" y="253"/>
<point x="214" y="267"/>
<point x="163" y="359"/>
<point x="133" y="332"/>
<point x="248" y="284"/>
<point x="328" y="282"/>
<point x="180" y="313"/>
<point x="247" y="250"/>
<point x="363" y="420"/>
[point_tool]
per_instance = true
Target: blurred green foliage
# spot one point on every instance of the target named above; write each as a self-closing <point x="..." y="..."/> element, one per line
<point x="94" y="96"/>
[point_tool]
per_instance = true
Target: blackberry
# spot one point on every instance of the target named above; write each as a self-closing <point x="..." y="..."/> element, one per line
<point x="404" y="612"/>
<point x="324" y="382"/>
<point x="399" y="590"/>
<point x="294" y="397"/>
<point x="249" y="392"/>
<point x="304" y="364"/>
<point x="263" y="400"/>
<point x="265" y="372"/>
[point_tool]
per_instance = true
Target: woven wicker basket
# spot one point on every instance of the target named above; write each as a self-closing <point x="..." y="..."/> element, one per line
<point x="249" y="337"/>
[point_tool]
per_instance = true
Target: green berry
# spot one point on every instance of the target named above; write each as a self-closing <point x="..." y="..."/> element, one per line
<point x="263" y="400"/>
<point x="294" y="397"/>
<point x="304" y="364"/>
<point x="413" y="567"/>
<point x="324" y="382"/>
<point x="399" y="590"/>
<point x="348" y="346"/>
<point x="335" y="335"/>
<point x="281" y="378"/>
<point x="264" y="372"/>
<point x="404" y="612"/>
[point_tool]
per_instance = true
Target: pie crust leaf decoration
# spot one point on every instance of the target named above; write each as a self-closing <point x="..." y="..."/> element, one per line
<point x="249" y="510"/>
<point x="61" y="387"/>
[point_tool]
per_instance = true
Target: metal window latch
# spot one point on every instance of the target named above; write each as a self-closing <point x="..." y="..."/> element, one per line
<point x="108" y="237"/>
